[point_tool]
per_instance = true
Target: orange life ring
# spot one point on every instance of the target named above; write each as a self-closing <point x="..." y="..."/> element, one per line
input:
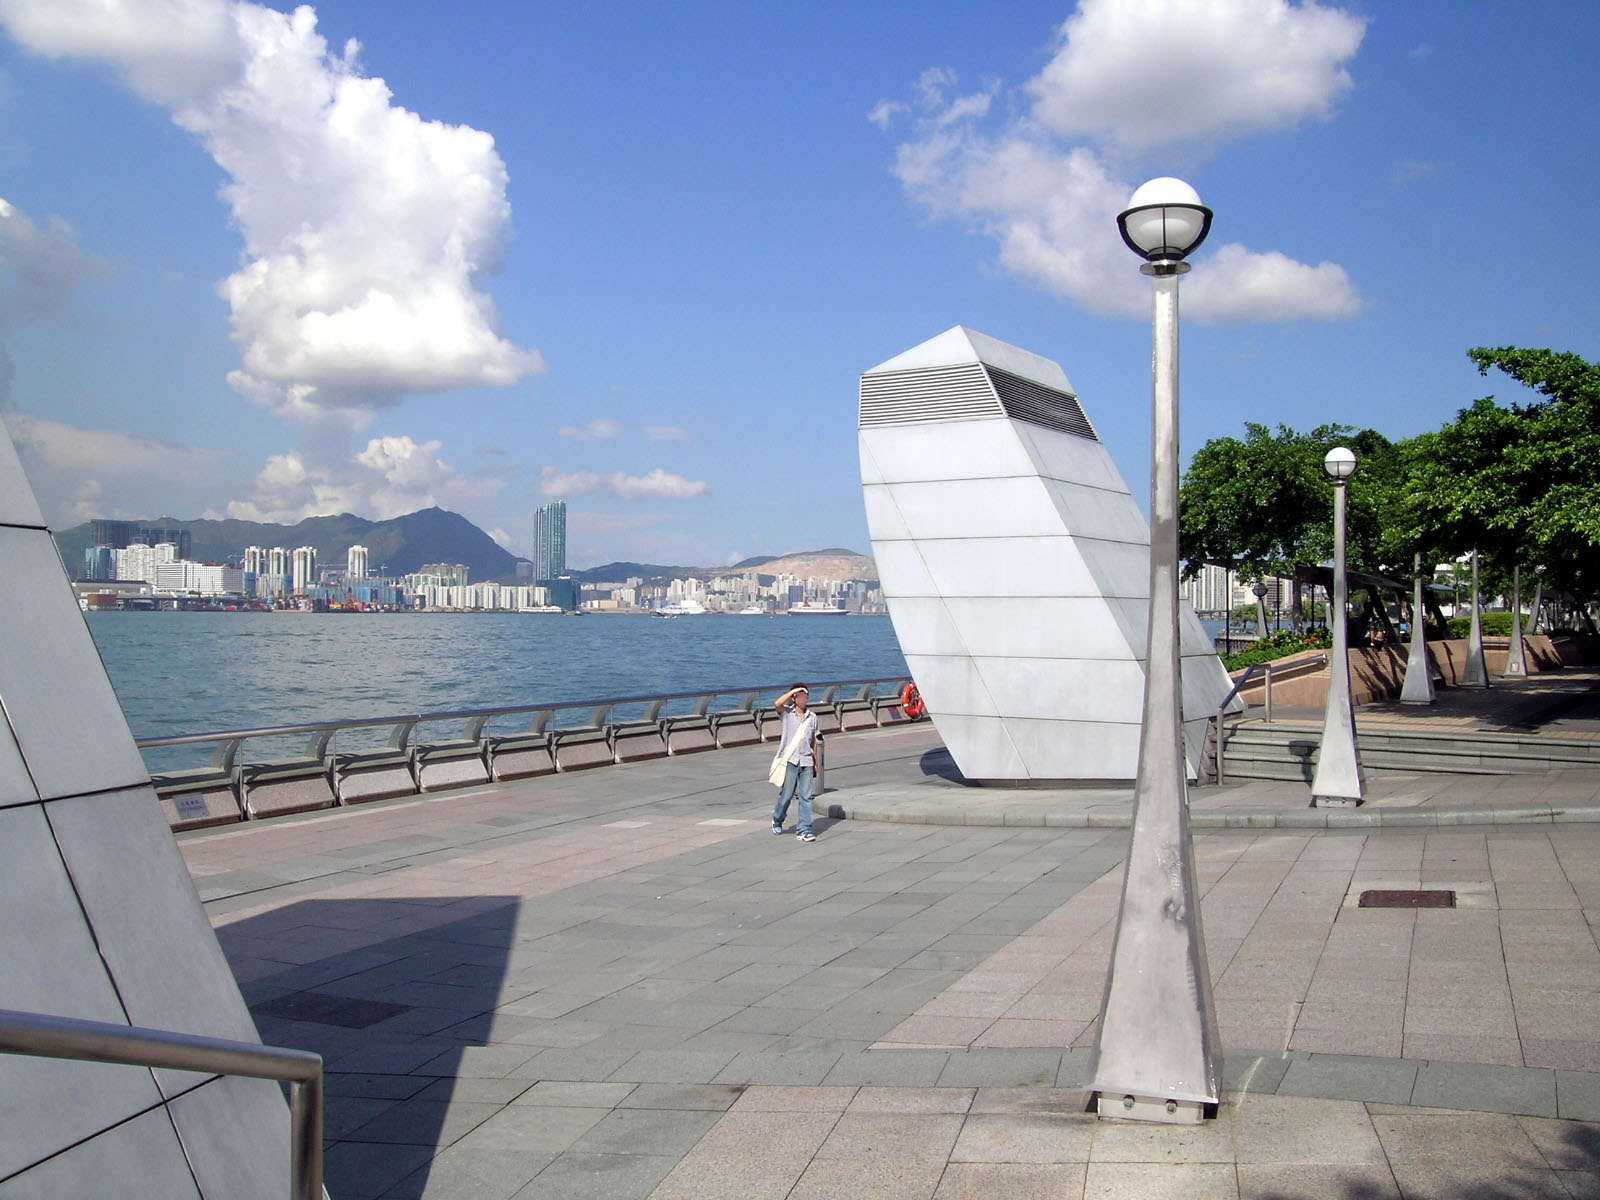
<point x="911" y="702"/>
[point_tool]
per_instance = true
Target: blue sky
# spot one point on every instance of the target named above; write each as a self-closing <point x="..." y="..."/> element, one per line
<point x="697" y="224"/>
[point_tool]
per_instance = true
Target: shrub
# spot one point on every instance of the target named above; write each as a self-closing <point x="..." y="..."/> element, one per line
<point x="1279" y="645"/>
<point x="1495" y="624"/>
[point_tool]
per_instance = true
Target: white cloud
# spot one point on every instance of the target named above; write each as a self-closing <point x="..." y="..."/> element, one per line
<point x="79" y="474"/>
<point x="390" y="477"/>
<point x="41" y="267"/>
<point x="1151" y="74"/>
<point x="501" y="536"/>
<point x="1042" y="184"/>
<point x="600" y="427"/>
<point x="369" y="232"/>
<point x="665" y="433"/>
<point x="657" y="485"/>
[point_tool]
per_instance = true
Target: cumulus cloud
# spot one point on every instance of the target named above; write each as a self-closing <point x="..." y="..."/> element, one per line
<point x="369" y="232"/>
<point x="390" y="477"/>
<point x="657" y="485"/>
<point x="1046" y="184"/>
<point x="41" y="267"/>
<point x="1153" y="74"/>
<point x="79" y="474"/>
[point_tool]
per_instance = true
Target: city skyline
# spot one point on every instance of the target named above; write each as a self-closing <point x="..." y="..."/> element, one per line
<point x="657" y="287"/>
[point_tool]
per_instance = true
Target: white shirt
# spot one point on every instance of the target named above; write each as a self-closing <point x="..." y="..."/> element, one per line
<point x="791" y="722"/>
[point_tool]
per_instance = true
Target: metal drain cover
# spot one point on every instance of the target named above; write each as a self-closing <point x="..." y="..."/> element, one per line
<point x="1438" y="898"/>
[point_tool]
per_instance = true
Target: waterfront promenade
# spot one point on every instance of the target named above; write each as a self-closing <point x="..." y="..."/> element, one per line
<point x="618" y="983"/>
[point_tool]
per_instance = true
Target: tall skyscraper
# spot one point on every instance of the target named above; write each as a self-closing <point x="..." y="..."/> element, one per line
<point x="550" y="540"/>
<point x="278" y="562"/>
<point x="255" y="559"/>
<point x="356" y="563"/>
<point x="305" y="568"/>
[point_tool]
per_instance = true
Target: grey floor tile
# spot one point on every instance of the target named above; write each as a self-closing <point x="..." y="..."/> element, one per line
<point x="646" y="1131"/>
<point x="1347" y="1077"/>
<point x="584" y="1176"/>
<point x="1486" y="1089"/>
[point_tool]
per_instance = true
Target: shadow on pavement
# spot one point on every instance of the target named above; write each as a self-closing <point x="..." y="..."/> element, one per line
<point x="411" y="988"/>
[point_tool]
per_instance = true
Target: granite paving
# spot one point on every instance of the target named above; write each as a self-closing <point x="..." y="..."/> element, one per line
<point x="619" y="983"/>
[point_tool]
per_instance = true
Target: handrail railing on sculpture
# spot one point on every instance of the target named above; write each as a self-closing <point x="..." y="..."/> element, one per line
<point x="1269" y="669"/>
<point x="44" y="1036"/>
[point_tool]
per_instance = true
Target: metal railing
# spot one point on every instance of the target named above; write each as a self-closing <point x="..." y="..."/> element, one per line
<point x="1305" y="666"/>
<point x="43" y="1036"/>
<point x="553" y="719"/>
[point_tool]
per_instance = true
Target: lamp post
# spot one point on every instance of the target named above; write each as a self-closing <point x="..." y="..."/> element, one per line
<point x="1418" y="685"/>
<point x="1338" y="781"/>
<point x="1538" y="599"/>
<point x="1516" y="659"/>
<point x="1259" y="591"/>
<point x="1476" y="674"/>
<point x="1156" y="1052"/>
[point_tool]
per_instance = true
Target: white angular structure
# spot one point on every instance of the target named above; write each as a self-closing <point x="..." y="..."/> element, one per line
<point x="99" y="920"/>
<point x="1015" y="564"/>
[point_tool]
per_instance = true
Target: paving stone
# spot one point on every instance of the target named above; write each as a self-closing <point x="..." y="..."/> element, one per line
<point x="1315" y="1181"/>
<point x="1024" y="1138"/>
<point x="457" y="1174"/>
<point x="1578" y="1095"/>
<point x="1001" y="1068"/>
<point x="1012" y="1181"/>
<point x="365" y="1170"/>
<point x="582" y="1176"/>
<point x="1487" y="1089"/>
<point x="533" y="1128"/>
<point x="696" y="1097"/>
<point x="1349" y="1077"/>
<point x="646" y="1131"/>
<point x="1153" y="1181"/>
<point x="908" y="1068"/>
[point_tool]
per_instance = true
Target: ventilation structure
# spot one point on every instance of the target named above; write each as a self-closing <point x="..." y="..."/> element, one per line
<point x="1015" y="564"/>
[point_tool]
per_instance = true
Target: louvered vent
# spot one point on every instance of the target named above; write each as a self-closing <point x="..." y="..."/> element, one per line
<point x="957" y="393"/>
<point x="1026" y="400"/>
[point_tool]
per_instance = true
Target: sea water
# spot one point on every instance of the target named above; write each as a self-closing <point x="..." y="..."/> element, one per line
<point x="182" y="673"/>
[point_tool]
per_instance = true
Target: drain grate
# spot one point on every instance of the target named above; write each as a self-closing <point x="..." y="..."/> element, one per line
<point x="1438" y="898"/>
<point x="344" y="1011"/>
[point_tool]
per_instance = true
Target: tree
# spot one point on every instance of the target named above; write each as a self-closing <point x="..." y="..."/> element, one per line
<point x="1519" y="483"/>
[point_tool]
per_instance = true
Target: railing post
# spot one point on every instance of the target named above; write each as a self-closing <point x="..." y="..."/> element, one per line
<point x="1221" y="767"/>
<point x="305" y="1128"/>
<point x="1269" y="693"/>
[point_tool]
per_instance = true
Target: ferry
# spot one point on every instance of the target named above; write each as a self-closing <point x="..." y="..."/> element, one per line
<point x="815" y="610"/>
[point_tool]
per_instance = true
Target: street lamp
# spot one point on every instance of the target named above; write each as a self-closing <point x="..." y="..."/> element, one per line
<point x="1476" y="673"/>
<point x="1155" y="1055"/>
<point x="1418" y="685"/>
<point x="1338" y="780"/>
<point x="1538" y="599"/>
<point x="1260" y="593"/>
<point x="1516" y="659"/>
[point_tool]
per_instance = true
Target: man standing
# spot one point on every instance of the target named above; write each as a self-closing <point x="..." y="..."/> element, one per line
<point x="798" y="743"/>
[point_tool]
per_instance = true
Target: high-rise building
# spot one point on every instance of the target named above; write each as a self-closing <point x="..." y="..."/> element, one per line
<point x="303" y="565"/>
<point x="355" y="561"/>
<point x="255" y="558"/>
<point x="119" y="535"/>
<point x="99" y="562"/>
<point x="550" y="540"/>
<point x="278" y="562"/>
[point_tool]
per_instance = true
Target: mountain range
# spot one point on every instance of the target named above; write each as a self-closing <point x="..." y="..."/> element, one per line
<point x="404" y="544"/>
<point x="395" y="547"/>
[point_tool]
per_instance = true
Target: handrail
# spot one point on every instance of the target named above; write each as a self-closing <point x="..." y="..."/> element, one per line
<point x="464" y="714"/>
<point x="44" y="1036"/>
<point x="1267" y="668"/>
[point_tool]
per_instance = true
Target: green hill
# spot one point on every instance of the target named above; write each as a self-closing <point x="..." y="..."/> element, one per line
<point x="395" y="547"/>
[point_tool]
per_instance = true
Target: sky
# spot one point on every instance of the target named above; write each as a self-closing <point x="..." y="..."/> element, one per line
<point x="381" y="254"/>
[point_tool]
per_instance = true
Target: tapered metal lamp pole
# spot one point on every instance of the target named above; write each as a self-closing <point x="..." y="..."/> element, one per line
<point x="1338" y="780"/>
<point x="1155" y="1056"/>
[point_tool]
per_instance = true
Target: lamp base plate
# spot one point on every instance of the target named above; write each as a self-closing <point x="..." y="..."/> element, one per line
<point x="1336" y="802"/>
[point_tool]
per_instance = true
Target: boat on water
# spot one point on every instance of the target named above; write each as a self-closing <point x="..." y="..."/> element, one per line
<point x="755" y="610"/>
<point x="815" y="610"/>
<point x="681" y="608"/>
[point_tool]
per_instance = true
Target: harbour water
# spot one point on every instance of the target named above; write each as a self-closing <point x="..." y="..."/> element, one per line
<point x="179" y="673"/>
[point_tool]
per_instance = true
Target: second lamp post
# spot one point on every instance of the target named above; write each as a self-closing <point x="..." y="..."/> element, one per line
<point x="1338" y="780"/>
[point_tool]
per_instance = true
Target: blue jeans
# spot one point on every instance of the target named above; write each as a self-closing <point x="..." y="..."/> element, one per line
<point x="796" y="780"/>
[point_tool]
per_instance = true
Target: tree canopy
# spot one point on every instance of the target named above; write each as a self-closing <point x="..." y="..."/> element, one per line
<point x="1520" y="483"/>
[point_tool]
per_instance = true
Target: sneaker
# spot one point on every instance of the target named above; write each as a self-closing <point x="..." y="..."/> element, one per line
<point x="805" y="835"/>
<point x="776" y="828"/>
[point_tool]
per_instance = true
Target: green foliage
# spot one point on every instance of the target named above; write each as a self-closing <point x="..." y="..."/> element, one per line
<point x="1495" y="624"/>
<point x="1264" y="505"/>
<point x="1518" y="483"/>
<point x="1278" y="645"/>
